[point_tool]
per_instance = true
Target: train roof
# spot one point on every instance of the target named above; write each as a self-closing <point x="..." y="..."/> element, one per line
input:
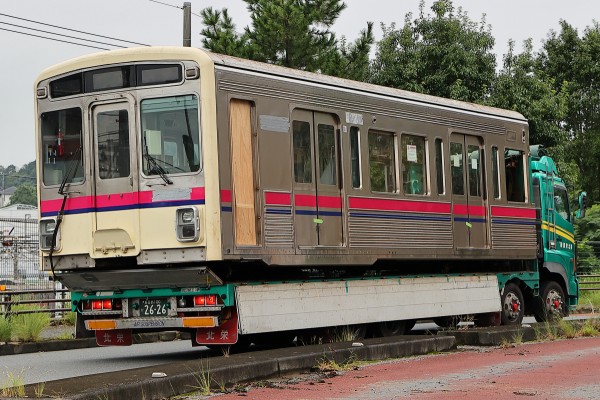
<point x="248" y="66"/>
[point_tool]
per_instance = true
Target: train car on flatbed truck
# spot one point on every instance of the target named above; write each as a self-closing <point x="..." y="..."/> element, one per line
<point x="241" y="201"/>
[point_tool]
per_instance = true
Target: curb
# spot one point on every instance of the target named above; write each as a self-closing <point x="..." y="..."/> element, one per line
<point x="185" y="377"/>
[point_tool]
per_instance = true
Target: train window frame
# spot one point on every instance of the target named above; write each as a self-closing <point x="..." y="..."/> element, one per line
<point x="142" y="162"/>
<point x="394" y="160"/>
<point x="423" y="141"/>
<point x="440" y="172"/>
<point x="308" y="133"/>
<point x="355" y="158"/>
<point x="108" y="159"/>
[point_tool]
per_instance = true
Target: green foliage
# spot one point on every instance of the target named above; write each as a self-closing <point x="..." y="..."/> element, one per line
<point x="443" y="54"/>
<point x="24" y="194"/>
<point x="5" y="329"/>
<point x="29" y="327"/>
<point x="291" y="33"/>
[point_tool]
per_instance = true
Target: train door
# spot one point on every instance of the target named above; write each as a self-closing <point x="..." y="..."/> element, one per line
<point x="115" y="180"/>
<point x="317" y="193"/>
<point x="468" y="192"/>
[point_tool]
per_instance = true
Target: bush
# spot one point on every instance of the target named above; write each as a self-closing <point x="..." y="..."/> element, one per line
<point x="68" y="318"/>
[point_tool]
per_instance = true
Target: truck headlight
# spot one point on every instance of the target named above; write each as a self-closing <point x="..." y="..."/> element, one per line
<point x="47" y="227"/>
<point x="187" y="225"/>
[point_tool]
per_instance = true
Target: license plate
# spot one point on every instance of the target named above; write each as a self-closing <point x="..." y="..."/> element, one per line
<point x="154" y="307"/>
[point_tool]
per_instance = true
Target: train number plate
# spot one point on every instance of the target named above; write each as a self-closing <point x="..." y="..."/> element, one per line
<point x="154" y="307"/>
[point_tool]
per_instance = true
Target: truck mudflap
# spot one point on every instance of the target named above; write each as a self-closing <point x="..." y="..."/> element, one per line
<point x="292" y="306"/>
<point x="225" y="333"/>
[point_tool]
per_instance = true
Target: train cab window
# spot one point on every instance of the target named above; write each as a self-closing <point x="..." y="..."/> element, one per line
<point x="439" y="166"/>
<point x="327" y="154"/>
<point x="515" y="175"/>
<point x="382" y="162"/>
<point x="170" y="135"/>
<point x="113" y="144"/>
<point x="495" y="173"/>
<point x="355" y="156"/>
<point x="561" y="203"/>
<point x="414" y="166"/>
<point x="61" y="146"/>
<point x="302" y="152"/>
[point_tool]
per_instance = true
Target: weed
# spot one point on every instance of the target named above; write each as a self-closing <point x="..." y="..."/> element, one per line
<point x="518" y="337"/>
<point x="327" y="365"/>
<point x="5" y="329"/>
<point x="29" y="327"/>
<point x="589" y="329"/>
<point x="14" y="387"/>
<point x="347" y="334"/>
<point x="68" y="318"/>
<point x="225" y="350"/>
<point x="567" y="329"/>
<point x="39" y="389"/>
<point x="203" y="379"/>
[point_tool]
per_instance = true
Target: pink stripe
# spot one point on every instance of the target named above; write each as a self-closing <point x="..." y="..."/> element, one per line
<point x="198" y="193"/>
<point x="460" y="209"/>
<point x="399" y="205"/>
<point x="330" y="202"/>
<point x="73" y="203"/>
<point x="225" y="196"/>
<point x="116" y="200"/>
<point x="305" y="200"/>
<point x="477" y="211"/>
<point x="515" y="212"/>
<point x="278" y="199"/>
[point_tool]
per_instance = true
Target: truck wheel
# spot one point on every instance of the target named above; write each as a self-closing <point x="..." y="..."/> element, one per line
<point x="512" y="305"/>
<point x="80" y="331"/>
<point x="449" y="322"/>
<point x="551" y="305"/>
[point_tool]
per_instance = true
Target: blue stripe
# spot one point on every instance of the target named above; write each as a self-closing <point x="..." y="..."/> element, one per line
<point x="404" y="217"/>
<point x="226" y="209"/>
<point x="128" y="207"/>
<point x="512" y="222"/>
<point x="320" y="213"/>
<point x="276" y="211"/>
<point x="466" y="219"/>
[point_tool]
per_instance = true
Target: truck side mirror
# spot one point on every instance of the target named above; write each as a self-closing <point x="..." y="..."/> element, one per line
<point x="582" y="204"/>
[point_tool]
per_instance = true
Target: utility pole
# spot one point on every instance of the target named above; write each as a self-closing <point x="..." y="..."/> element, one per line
<point x="187" y="24"/>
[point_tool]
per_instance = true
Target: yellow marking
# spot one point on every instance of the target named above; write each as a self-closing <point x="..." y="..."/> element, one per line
<point x="559" y="231"/>
<point x="199" y="322"/>
<point x="101" y="324"/>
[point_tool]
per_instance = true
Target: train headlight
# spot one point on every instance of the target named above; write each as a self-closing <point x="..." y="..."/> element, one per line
<point x="187" y="224"/>
<point x="47" y="227"/>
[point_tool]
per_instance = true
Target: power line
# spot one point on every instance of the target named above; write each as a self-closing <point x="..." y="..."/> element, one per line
<point x="56" y="40"/>
<point x="60" y="34"/>
<point x="172" y="5"/>
<point x="72" y="30"/>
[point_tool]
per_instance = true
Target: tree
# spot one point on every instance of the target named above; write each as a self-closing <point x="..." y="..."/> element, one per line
<point x="291" y="33"/>
<point x="444" y="54"/>
<point x="24" y="194"/>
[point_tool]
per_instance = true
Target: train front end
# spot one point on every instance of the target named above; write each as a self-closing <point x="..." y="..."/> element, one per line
<point x="128" y="190"/>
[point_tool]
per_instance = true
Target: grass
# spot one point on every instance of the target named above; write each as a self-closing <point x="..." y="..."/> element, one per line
<point x="346" y="334"/>
<point x="68" y="318"/>
<point x="29" y="327"/>
<point x="14" y="386"/>
<point x="590" y="298"/>
<point x="327" y="365"/>
<point x="203" y="379"/>
<point x="5" y="329"/>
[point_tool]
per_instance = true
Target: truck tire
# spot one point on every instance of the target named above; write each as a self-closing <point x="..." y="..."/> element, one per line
<point x="393" y="328"/>
<point x="551" y="304"/>
<point x="512" y="305"/>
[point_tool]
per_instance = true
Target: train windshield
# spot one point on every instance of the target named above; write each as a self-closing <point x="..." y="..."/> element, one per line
<point x="170" y="135"/>
<point x="61" y="146"/>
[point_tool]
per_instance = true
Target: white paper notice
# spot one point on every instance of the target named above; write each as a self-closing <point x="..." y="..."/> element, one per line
<point x="411" y="153"/>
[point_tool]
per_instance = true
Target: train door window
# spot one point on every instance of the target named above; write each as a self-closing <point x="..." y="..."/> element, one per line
<point x="355" y="156"/>
<point x="456" y="168"/>
<point x="112" y="130"/>
<point x="561" y="203"/>
<point x="61" y="145"/>
<point x="439" y="166"/>
<point x="327" y="155"/>
<point x="382" y="162"/>
<point x="495" y="173"/>
<point x="474" y="170"/>
<point x="170" y="135"/>
<point x="302" y="152"/>
<point x="414" y="165"/>
<point x="515" y="175"/>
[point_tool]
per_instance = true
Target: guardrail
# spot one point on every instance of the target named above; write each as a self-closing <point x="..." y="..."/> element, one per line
<point x="52" y="301"/>
<point x="589" y="282"/>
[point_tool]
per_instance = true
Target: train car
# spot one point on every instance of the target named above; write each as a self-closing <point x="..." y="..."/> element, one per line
<point x="184" y="189"/>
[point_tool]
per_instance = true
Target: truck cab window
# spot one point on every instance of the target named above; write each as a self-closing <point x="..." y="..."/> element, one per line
<point x="561" y="203"/>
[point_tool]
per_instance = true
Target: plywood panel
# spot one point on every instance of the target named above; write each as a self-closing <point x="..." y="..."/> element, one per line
<point x="240" y="122"/>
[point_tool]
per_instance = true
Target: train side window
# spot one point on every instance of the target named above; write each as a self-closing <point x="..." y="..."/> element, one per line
<point x="456" y="168"/>
<point x="113" y="144"/>
<point x="382" y="162"/>
<point x="355" y="156"/>
<point x="414" y="166"/>
<point x="439" y="166"/>
<point x="474" y="170"/>
<point x="495" y="173"/>
<point x="302" y="152"/>
<point x="515" y="175"/>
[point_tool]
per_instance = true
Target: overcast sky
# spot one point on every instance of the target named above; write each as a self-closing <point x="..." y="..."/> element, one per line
<point x="144" y="21"/>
